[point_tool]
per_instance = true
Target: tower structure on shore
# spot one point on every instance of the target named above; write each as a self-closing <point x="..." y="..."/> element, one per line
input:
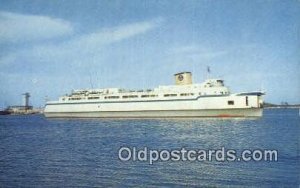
<point x="26" y="100"/>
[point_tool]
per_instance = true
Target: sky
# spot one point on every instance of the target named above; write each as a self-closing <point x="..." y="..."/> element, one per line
<point x="49" y="48"/>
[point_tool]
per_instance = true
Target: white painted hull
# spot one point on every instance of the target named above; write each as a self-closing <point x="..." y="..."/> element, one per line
<point x="216" y="106"/>
<point x="247" y="112"/>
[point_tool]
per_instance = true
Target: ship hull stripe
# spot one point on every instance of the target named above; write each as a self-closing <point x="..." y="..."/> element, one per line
<point x="222" y="113"/>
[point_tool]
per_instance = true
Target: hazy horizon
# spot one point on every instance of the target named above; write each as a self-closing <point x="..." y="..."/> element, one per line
<point x="49" y="48"/>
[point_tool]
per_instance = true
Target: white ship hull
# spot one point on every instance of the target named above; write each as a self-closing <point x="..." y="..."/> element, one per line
<point x="249" y="112"/>
<point x="209" y="99"/>
<point x="213" y="106"/>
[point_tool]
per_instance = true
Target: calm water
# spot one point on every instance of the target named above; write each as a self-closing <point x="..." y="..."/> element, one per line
<point x="40" y="152"/>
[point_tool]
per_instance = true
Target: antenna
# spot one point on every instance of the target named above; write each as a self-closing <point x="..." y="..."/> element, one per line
<point x="91" y="83"/>
<point x="208" y="72"/>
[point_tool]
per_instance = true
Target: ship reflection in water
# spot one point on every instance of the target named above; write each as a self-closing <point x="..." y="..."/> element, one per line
<point x="36" y="151"/>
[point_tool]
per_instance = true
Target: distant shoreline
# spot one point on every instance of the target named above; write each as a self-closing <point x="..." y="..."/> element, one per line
<point x="281" y="107"/>
<point x="269" y="105"/>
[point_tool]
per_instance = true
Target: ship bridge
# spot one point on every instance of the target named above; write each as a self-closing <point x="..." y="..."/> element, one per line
<point x="214" y="83"/>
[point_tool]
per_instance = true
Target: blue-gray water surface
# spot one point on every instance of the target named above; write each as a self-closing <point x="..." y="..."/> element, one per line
<point x="40" y="152"/>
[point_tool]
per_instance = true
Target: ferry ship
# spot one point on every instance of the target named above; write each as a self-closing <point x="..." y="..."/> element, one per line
<point x="183" y="99"/>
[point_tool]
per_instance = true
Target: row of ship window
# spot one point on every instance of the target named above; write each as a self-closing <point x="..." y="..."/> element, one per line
<point x="132" y="96"/>
<point x="142" y="96"/>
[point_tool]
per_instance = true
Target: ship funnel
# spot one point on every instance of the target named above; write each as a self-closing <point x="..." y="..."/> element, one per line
<point x="183" y="78"/>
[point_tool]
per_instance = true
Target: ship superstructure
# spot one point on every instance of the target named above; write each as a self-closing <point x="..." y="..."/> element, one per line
<point x="184" y="99"/>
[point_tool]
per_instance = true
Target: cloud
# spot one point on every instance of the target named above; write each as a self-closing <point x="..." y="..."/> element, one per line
<point x="114" y="34"/>
<point x="78" y="48"/>
<point x="93" y="42"/>
<point x="23" y="28"/>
